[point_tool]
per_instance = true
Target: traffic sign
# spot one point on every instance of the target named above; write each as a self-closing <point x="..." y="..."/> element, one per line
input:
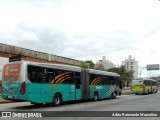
<point x="153" y="67"/>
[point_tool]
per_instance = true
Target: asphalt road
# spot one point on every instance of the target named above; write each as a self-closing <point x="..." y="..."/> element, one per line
<point x="142" y="103"/>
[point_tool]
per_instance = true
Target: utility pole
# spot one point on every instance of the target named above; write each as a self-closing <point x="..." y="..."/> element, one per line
<point x="141" y="71"/>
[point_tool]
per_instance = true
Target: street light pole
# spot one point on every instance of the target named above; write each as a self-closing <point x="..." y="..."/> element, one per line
<point x="141" y="71"/>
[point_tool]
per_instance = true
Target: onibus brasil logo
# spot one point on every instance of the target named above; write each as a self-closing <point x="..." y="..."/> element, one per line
<point x="23" y="114"/>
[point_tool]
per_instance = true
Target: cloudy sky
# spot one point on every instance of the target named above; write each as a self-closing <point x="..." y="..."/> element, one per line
<point x="85" y="29"/>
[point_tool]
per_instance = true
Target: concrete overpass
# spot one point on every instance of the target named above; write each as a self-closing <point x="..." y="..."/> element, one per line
<point x="35" y="56"/>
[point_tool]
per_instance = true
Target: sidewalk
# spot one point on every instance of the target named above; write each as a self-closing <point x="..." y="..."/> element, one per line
<point x="3" y="100"/>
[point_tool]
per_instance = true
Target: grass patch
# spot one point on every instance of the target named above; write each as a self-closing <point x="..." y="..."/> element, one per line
<point x="126" y="92"/>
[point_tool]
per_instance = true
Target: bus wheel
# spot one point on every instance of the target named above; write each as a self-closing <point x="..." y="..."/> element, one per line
<point x="113" y="96"/>
<point x="57" y="99"/>
<point x="95" y="96"/>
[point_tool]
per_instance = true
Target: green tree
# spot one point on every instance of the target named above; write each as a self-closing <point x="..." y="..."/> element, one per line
<point x="83" y="64"/>
<point x="87" y="64"/>
<point x="126" y="76"/>
<point x="91" y="64"/>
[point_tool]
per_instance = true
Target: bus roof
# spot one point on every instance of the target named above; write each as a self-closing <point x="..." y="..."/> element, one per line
<point x="51" y="65"/>
<point x="144" y="79"/>
<point x="103" y="72"/>
<point x="58" y="66"/>
<point x="66" y="67"/>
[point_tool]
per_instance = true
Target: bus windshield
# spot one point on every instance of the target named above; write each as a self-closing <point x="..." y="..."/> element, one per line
<point x="11" y="72"/>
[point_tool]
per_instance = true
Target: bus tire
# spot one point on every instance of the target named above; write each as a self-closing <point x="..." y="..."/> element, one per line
<point x="95" y="96"/>
<point x="113" y="95"/>
<point x="57" y="99"/>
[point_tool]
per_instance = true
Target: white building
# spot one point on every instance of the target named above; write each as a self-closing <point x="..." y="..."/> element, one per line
<point x="2" y="62"/>
<point x="104" y="64"/>
<point x="131" y="64"/>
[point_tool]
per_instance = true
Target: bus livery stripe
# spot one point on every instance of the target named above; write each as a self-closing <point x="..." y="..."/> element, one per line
<point x="92" y="83"/>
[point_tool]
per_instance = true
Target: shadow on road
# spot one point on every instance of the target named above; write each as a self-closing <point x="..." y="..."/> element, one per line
<point x="35" y="106"/>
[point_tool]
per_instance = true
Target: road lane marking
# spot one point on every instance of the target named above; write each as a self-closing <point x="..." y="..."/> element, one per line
<point x="67" y="108"/>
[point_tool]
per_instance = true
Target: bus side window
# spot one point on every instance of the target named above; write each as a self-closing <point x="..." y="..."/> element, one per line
<point x="33" y="76"/>
<point x="68" y="77"/>
<point x="146" y="82"/>
<point x="106" y="80"/>
<point x="116" y="81"/>
<point x="110" y="80"/>
<point x="50" y="78"/>
<point x="47" y="75"/>
<point x="59" y="74"/>
<point x="34" y="73"/>
<point x="92" y="78"/>
<point x="44" y="75"/>
<point x="100" y="80"/>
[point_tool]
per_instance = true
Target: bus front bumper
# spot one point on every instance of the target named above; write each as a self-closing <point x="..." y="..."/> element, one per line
<point x="14" y="97"/>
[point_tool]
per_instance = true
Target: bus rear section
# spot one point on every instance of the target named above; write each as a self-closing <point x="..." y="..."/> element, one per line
<point x="140" y="87"/>
<point x="13" y="86"/>
<point x="104" y="84"/>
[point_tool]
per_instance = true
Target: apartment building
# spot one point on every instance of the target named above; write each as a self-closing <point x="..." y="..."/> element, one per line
<point x="131" y="64"/>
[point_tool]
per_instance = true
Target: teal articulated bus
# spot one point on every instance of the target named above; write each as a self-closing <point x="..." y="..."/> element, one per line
<point x="56" y="83"/>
